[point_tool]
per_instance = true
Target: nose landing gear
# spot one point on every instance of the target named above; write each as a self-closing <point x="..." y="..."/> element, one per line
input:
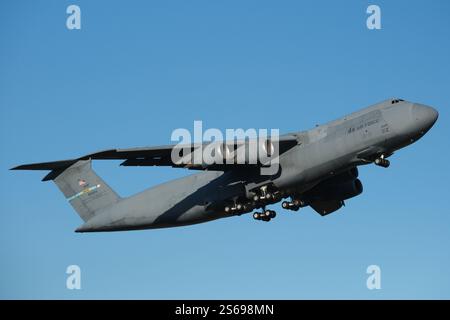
<point x="382" y="162"/>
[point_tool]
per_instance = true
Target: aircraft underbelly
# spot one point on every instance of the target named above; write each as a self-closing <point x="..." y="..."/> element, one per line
<point x="180" y="202"/>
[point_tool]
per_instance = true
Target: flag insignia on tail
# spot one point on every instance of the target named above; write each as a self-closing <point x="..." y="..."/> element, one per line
<point x="82" y="182"/>
<point x="87" y="190"/>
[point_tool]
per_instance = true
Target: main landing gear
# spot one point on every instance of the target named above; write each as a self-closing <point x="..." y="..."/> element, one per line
<point x="265" y="215"/>
<point x="267" y="196"/>
<point x="259" y="199"/>
<point x="293" y="205"/>
<point x="239" y="208"/>
<point x="264" y="196"/>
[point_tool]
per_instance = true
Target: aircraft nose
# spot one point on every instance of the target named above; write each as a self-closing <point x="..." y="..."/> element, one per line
<point x="424" y="116"/>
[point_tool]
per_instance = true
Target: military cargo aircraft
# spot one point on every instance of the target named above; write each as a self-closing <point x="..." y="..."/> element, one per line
<point x="317" y="168"/>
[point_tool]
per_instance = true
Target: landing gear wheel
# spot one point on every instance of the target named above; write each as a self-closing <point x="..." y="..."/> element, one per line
<point x="382" y="162"/>
<point x="294" y="205"/>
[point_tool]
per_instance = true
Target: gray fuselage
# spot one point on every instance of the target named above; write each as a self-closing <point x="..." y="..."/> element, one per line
<point x="320" y="153"/>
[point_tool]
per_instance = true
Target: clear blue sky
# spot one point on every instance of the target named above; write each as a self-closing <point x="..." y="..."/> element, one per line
<point x="137" y="70"/>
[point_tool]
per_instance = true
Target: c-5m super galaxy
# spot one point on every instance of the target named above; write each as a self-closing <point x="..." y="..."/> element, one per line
<point x="317" y="168"/>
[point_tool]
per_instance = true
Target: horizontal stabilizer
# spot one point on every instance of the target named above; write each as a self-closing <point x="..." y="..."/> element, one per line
<point x="55" y="167"/>
<point x="46" y="165"/>
<point x="82" y="187"/>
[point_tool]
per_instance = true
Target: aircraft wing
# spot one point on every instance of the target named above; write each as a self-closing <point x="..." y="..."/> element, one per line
<point x="162" y="155"/>
<point x="152" y="156"/>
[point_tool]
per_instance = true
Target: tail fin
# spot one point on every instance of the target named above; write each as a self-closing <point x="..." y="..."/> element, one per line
<point x="83" y="188"/>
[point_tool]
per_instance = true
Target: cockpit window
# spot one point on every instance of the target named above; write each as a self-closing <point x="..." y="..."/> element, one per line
<point x="393" y="101"/>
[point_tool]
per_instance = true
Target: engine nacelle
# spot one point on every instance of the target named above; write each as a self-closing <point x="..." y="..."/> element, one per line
<point x="335" y="191"/>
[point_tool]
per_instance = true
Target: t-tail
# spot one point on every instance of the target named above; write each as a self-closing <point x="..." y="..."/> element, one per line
<point x="83" y="188"/>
